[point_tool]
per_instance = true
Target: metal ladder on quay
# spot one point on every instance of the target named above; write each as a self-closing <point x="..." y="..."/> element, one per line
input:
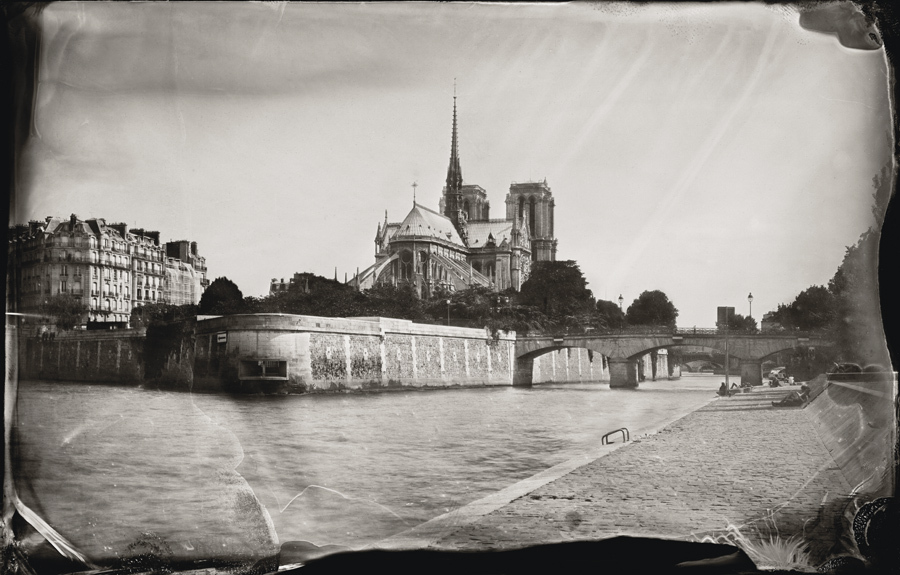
<point x="626" y="435"/>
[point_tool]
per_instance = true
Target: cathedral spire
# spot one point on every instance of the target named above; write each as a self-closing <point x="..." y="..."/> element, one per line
<point x="454" y="172"/>
<point x="453" y="203"/>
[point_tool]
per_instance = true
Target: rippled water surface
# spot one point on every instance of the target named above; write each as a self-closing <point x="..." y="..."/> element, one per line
<point x="108" y="465"/>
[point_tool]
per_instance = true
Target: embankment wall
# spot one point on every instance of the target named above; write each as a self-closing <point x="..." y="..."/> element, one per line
<point x="106" y="356"/>
<point x="570" y="365"/>
<point x="578" y="364"/>
<point x="307" y="353"/>
<point x="856" y="421"/>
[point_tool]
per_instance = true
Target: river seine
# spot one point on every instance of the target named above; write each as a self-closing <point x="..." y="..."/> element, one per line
<point x="109" y="465"/>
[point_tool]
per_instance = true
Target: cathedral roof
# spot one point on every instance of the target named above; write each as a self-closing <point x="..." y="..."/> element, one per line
<point x="388" y="231"/>
<point x="480" y="230"/>
<point x="424" y="222"/>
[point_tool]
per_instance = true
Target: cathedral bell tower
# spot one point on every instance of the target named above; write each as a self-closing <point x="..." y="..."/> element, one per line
<point x="533" y="202"/>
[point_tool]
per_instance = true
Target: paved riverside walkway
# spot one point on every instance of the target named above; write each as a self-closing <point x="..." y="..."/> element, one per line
<point x="738" y="460"/>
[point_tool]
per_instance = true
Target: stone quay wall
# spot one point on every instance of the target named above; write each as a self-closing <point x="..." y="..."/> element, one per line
<point x="856" y="419"/>
<point x="576" y="364"/>
<point x="573" y="364"/>
<point x="104" y="356"/>
<point x="308" y="354"/>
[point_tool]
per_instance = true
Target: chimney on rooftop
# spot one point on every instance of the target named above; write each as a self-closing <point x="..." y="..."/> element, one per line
<point x="121" y="228"/>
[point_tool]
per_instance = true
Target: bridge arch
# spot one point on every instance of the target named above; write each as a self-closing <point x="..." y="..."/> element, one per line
<point x="623" y="349"/>
<point x="548" y="361"/>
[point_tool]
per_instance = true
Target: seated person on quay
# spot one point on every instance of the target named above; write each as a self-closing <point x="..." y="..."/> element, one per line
<point x="794" y="398"/>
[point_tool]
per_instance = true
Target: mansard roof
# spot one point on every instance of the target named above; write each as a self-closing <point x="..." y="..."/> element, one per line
<point x="57" y="225"/>
<point x="424" y="222"/>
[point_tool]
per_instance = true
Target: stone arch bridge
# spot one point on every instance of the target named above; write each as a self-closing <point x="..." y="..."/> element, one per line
<point x="623" y="348"/>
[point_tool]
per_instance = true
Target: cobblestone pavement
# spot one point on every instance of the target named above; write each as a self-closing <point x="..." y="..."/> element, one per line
<point x="738" y="460"/>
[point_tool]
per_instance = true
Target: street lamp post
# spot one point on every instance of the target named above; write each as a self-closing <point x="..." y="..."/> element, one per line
<point x="621" y="301"/>
<point x="750" y="299"/>
<point x="727" y="359"/>
<point x="448" y="312"/>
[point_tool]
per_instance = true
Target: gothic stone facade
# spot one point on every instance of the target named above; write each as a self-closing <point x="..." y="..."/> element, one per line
<point x="460" y="245"/>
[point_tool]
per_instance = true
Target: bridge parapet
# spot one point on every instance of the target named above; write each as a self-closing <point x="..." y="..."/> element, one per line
<point x="752" y="346"/>
<point x="665" y="330"/>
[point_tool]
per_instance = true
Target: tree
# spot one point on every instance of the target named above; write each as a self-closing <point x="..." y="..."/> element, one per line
<point x="652" y="308"/>
<point x="812" y="309"/>
<point x="856" y="306"/>
<point x="393" y="301"/>
<point x="472" y="307"/>
<point x="558" y="289"/>
<point x="67" y="311"/>
<point x="221" y="297"/>
<point x="556" y="297"/>
<point x="611" y="315"/>
<point x="161" y="313"/>
<point x="313" y="295"/>
<point x="741" y="323"/>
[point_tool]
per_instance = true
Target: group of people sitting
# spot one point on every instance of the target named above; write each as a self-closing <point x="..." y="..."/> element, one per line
<point x="794" y="398"/>
<point x="724" y="389"/>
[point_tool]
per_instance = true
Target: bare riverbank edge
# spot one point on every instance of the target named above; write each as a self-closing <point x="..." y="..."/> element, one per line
<point x="431" y="532"/>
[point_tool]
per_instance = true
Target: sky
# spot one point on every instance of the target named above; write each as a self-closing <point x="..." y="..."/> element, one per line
<point x="708" y="151"/>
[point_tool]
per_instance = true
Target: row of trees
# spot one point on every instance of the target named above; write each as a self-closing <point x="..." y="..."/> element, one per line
<point x="848" y="306"/>
<point x="555" y="298"/>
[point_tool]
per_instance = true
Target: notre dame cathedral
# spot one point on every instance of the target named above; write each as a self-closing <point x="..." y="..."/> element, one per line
<point x="460" y="245"/>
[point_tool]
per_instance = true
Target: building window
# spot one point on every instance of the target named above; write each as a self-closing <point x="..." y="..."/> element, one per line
<point x="94" y="302"/>
<point x="108" y="306"/>
<point x="65" y="270"/>
<point x="140" y="293"/>
<point x="62" y="286"/>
